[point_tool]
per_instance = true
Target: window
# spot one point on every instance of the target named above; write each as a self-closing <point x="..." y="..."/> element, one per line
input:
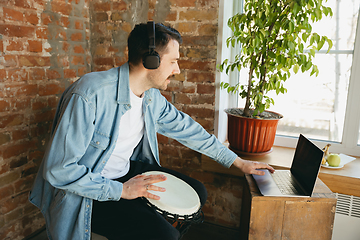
<point x="325" y="108"/>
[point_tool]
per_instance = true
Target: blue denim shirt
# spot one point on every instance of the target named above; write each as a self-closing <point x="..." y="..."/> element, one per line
<point x="84" y="135"/>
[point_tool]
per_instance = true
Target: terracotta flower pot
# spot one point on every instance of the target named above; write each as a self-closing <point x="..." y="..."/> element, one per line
<point x="251" y="136"/>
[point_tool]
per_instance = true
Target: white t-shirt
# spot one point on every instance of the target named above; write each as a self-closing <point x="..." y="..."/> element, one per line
<point x="131" y="131"/>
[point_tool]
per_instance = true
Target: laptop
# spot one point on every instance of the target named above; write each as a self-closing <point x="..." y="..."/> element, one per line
<point x="300" y="180"/>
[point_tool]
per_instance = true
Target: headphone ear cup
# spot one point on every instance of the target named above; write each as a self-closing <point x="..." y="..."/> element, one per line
<point x="151" y="60"/>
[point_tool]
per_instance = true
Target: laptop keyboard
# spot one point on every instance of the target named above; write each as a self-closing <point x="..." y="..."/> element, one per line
<point x="285" y="183"/>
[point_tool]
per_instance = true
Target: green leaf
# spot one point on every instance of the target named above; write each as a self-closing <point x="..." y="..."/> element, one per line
<point x="291" y="27"/>
<point x="320" y="44"/>
<point x="312" y="52"/>
<point x="330" y="45"/>
<point x="296" y="68"/>
<point x="272" y="54"/>
<point x="305" y="36"/>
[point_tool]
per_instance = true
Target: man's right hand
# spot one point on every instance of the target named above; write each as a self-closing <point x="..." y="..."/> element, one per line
<point x="139" y="185"/>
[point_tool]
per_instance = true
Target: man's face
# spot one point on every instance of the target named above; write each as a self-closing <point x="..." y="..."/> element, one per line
<point x="160" y="77"/>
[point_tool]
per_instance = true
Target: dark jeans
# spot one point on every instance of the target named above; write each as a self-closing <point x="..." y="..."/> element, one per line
<point x="134" y="219"/>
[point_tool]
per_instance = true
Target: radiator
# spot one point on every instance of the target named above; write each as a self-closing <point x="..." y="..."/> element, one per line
<point x="347" y="218"/>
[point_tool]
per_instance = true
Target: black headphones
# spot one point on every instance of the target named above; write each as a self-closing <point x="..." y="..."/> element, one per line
<point x="151" y="59"/>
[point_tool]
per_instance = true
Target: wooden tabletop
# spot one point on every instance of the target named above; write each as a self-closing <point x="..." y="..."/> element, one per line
<point x="345" y="180"/>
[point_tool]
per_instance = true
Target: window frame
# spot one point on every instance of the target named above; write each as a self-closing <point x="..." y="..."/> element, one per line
<point x="223" y="100"/>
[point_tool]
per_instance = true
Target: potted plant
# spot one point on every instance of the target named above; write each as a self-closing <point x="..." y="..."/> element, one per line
<point x="276" y="40"/>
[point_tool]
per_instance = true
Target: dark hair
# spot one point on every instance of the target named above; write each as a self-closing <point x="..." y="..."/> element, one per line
<point x="138" y="41"/>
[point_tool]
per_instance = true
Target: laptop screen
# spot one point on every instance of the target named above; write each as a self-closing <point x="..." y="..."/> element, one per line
<point x="306" y="163"/>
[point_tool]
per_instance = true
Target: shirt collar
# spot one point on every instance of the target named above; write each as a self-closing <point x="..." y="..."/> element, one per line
<point x="123" y="91"/>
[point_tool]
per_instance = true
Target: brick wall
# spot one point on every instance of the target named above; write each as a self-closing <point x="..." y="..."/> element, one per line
<point x="45" y="45"/>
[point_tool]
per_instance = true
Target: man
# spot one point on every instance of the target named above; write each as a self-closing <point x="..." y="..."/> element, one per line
<point x="104" y="137"/>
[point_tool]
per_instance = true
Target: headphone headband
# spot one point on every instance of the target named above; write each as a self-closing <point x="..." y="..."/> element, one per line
<point x="151" y="34"/>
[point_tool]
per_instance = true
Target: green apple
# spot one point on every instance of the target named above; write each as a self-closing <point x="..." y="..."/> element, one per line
<point x="333" y="160"/>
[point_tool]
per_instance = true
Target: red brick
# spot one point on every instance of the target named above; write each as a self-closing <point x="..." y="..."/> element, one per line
<point x="7" y="231"/>
<point x="182" y="98"/>
<point x="25" y="90"/>
<point x="183" y="3"/>
<point x="167" y="95"/>
<point x="69" y="73"/>
<point x="32" y="17"/>
<point x="61" y="7"/>
<point x="35" y="46"/>
<point x="23" y="184"/>
<point x="50" y="89"/>
<point x="119" y="6"/>
<point x="120" y="60"/>
<point x="29" y="170"/>
<point x="77" y="36"/>
<point x="11" y="14"/>
<point x="60" y="34"/>
<point x="3" y="169"/>
<point x="24" y="4"/>
<point x="13" y="203"/>
<point x="197" y="65"/>
<point x="10" y="61"/>
<point x="34" y="61"/>
<point x="53" y="74"/>
<point x="18" y="162"/>
<point x="188" y="89"/>
<point x="199" y="41"/>
<point x="204" y="77"/>
<point x="4" y="106"/>
<point x="64" y="21"/>
<point x="208" y="29"/>
<point x="203" y="99"/>
<point x="199" y="112"/>
<point x="19" y="134"/>
<point x="16" y="31"/>
<point x="22" y="104"/>
<point x="17" y="75"/>
<point x="16" y="45"/>
<point x="78" y="49"/>
<point x="82" y="71"/>
<point x="1" y="45"/>
<point x="169" y="151"/>
<point x="205" y="89"/>
<point x="78" y="60"/>
<point x="198" y="15"/>
<point x="207" y="124"/>
<point x="63" y="61"/>
<point x="42" y="32"/>
<point x="37" y="74"/>
<point x="79" y="24"/>
<point x="38" y="104"/>
<point x="187" y="27"/>
<point x="101" y="7"/>
<point x="102" y="16"/>
<point x="201" y="53"/>
<point x="162" y="139"/>
<point x="43" y="116"/>
<point x="6" y="191"/>
<point x="104" y="61"/>
<point x="66" y="46"/>
<point x="172" y="15"/>
<point x="45" y="18"/>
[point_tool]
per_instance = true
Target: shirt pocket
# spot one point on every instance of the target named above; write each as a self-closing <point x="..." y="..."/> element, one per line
<point x="100" y="140"/>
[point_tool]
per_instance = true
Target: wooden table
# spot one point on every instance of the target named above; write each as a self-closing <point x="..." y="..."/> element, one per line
<point x="287" y="217"/>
